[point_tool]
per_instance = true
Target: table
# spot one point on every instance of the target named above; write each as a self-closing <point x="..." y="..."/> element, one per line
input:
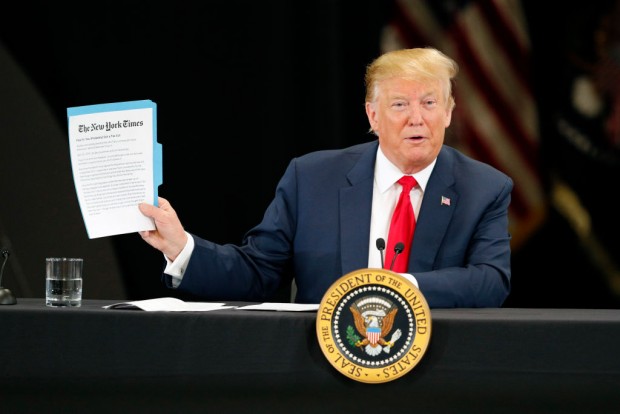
<point x="91" y="359"/>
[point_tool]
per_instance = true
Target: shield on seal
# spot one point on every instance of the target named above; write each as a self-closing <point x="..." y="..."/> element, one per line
<point x="373" y="333"/>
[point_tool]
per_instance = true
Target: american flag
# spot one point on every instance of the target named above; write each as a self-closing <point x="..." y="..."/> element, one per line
<point x="495" y="119"/>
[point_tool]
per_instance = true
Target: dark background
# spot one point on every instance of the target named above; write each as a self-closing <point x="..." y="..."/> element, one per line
<point x="242" y="87"/>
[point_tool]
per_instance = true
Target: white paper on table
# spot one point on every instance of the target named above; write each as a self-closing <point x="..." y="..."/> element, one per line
<point x="274" y="306"/>
<point x="116" y="163"/>
<point x="169" y="305"/>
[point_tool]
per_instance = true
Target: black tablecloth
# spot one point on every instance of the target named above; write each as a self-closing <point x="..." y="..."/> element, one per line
<point x="91" y="359"/>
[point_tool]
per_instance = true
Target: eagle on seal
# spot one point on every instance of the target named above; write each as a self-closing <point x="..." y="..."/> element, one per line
<point x="374" y="325"/>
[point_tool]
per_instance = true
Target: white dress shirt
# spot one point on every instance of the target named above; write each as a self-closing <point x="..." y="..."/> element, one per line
<point x="385" y="193"/>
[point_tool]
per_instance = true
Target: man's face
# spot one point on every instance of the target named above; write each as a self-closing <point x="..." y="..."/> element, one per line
<point x="410" y="117"/>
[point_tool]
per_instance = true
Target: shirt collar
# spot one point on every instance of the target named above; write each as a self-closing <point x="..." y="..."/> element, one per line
<point x="386" y="173"/>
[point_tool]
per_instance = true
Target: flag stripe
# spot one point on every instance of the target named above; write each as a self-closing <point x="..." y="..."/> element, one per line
<point x="509" y="37"/>
<point x="478" y="75"/>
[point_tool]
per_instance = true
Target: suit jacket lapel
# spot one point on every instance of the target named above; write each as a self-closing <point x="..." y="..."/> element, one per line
<point x="355" y="211"/>
<point x="440" y="200"/>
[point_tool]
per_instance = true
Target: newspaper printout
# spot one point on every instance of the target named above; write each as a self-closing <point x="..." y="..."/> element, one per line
<point x="117" y="164"/>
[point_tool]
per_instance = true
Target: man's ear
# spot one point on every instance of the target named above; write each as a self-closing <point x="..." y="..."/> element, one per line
<point x="448" y="118"/>
<point x="371" y="113"/>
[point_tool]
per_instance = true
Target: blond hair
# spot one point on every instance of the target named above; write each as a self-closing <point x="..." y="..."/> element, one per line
<point x="420" y="64"/>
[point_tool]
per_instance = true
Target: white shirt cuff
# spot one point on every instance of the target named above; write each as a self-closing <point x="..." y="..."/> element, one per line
<point x="177" y="268"/>
<point x="410" y="278"/>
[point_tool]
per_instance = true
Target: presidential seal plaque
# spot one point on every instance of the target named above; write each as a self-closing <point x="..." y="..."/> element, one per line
<point x="373" y="325"/>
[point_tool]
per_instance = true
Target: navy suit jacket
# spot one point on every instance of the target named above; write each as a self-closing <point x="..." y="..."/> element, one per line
<point x="317" y="229"/>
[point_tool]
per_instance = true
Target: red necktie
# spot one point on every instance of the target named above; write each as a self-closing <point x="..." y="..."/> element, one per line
<point x="401" y="227"/>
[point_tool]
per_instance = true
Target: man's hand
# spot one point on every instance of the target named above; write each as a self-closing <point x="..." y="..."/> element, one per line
<point x="169" y="237"/>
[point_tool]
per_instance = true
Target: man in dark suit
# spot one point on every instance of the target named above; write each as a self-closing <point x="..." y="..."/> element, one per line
<point x="331" y="206"/>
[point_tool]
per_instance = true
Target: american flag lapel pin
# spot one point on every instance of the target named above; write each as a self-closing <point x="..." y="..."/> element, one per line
<point x="445" y="201"/>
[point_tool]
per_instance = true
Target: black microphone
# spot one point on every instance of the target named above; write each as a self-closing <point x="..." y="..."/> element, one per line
<point x="398" y="249"/>
<point x="6" y="297"/>
<point x="381" y="247"/>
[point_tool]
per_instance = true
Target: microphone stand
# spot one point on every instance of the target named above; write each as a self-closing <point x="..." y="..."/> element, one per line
<point x="6" y="297"/>
<point x="398" y="249"/>
<point x="381" y="246"/>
